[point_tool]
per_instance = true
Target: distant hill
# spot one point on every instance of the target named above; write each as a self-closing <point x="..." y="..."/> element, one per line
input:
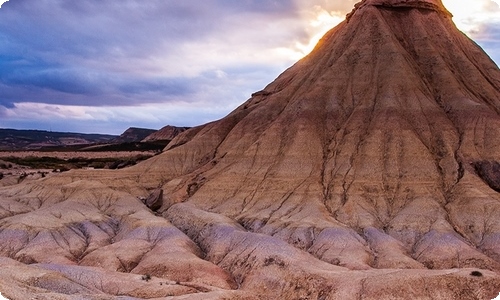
<point x="140" y="139"/>
<point x="132" y="139"/>
<point x="133" y="134"/>
<point x="13" y="139"/>
<point x="167" y="133"/>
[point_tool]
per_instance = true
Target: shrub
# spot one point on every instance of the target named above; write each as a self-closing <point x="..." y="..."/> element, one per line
<point x="476" y="273"/>
<point x="22" y="177"/>
<point x="146" y="277"/>
<point x="63" y="169"/>
<point x="97" y="165"/>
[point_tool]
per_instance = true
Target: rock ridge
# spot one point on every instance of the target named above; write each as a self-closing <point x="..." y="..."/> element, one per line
<point x="435" y="5"/>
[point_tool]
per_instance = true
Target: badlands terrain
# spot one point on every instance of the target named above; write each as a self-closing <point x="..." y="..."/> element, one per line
<point x="368" y="170"/>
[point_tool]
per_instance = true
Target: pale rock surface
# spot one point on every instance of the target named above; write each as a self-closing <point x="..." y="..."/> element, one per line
<point x="367" y="170"/>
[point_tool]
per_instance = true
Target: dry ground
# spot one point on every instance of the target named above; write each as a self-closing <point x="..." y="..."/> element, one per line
<point x="14" y="173"/>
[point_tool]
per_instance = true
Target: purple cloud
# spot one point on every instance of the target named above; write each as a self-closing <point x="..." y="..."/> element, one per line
<point x="163" y="61"/>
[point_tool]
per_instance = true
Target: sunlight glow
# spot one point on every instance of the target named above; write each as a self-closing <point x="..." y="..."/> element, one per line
<point x="320" y="22"/>
<point x="469" y="15"/>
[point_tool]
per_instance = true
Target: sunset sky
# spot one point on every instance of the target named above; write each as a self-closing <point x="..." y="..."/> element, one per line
<point x="103" y="66"/>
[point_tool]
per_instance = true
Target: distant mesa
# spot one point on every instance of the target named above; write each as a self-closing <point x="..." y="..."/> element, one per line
<point x="167" y="133"/>
<point x="134" y="134"/>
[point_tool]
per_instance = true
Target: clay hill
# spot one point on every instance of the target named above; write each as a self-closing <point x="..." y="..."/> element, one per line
<point x="368" y="170"/>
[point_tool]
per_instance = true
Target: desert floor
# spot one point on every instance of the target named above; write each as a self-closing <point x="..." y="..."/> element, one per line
<point x="14" y="173"/>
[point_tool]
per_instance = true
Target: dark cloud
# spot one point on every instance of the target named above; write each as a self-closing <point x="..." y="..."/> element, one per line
<point x="91" y="28"/>
<point x="162" y="87"/>
<point x="120" y="63"/>
<point x="59" y="51"/>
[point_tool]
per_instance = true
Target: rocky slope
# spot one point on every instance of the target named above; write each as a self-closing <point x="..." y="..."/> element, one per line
<point x="368" y="170"/>
<point x="166" y="133"/>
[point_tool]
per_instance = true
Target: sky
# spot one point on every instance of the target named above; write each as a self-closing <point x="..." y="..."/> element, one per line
<point x="103" y="66"/>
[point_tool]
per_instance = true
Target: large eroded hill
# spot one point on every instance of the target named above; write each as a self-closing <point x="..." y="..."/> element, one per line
<point x="368" y="170"/>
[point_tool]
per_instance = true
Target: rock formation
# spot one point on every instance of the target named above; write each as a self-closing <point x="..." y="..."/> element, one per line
<point x="368" y="170"/>
<point x="167" y="133"/>
<point x="133" y="134"/>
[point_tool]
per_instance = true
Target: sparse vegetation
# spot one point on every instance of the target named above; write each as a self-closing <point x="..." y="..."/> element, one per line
<point x="132" y="146"/>
<point x="5" y="166"/>
<point x="1" y="175"/>
<point x="61" y="165"/>
<point x="269" y="261"/>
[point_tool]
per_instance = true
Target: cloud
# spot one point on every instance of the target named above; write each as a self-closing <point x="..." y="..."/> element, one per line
<point x="488" y="35"/>
<point x="103" y="119"/>
<point x="130" y="48"/>
<point x="161" y="61"/>
<point x="479" y="19"/>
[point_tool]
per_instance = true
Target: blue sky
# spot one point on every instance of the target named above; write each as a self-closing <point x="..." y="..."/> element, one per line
<point x="103" y="66"/>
